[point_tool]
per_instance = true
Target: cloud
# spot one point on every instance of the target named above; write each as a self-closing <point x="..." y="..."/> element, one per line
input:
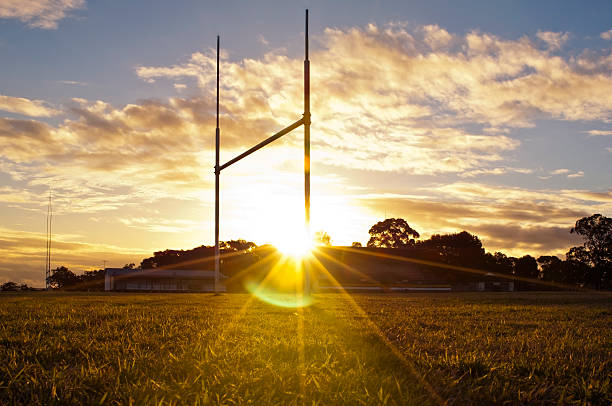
<point x="599" y="132"/>
<point x="559" y="171"/>
<point x="22" y="255"/>
<point x="72" y="82"/>
<point x="554" y="40"/>
<point x="263" y="40"/>
<point x="495" y="171"/>
<point x="161" y="225"/>
<point x="606" y="35"/>
<point x="43" y="14"/>
<point x="578" y="174"/>
<point x="26" y="107"/>
<point x="509" y="219"/>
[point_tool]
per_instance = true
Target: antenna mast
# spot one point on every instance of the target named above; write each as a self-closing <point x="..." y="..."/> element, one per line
<point x="48" y="257"/>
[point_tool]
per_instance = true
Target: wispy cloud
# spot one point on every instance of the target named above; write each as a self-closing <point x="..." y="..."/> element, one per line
<point x="578" y="174"/>
<point x="263" y="40"/>
<point x="26" y="107"/>
<point x="22" y="255"/>
<point x="599" y="132"/>
<point x="554" y="40"/>
<point x="72" y="82"/>
<point x="44" y="14"/>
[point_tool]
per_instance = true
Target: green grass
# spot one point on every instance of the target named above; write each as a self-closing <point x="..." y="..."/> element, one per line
<point x="497" y="348"/>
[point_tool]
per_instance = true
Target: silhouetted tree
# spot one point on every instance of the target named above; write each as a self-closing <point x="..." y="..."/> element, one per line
<point x="322" y="238"/>
<point x="596" y="252"/>
<point x="9" y="287"/>
<point x="92" y="280"/>
<point x="237" y="245"/>
<point x="578" y="265"/>
<point x="62" y="277"/>
<point x="552" y="269"/>
<point x="129" y="266"/>
<point x="526" y="267"/>
<point x="500" y="263"/>
<point x="459" y="249"/>
<point x="356" y="244"/>
<point x="392" y="233"/>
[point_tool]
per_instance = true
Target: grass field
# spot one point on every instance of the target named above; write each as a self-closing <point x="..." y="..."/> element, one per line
<point x="496" y="348"/>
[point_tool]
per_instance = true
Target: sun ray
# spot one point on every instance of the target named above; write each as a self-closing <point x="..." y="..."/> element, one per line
<point x="434" y="395"/>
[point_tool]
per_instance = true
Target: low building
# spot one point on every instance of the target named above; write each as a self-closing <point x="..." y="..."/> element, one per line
<point x="161" y="280"/>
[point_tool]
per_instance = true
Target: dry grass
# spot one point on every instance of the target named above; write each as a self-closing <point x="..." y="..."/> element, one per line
<point x="539" y="348"/>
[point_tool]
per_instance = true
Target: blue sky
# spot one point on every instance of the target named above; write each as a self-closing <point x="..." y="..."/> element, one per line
<point x="485" y="116"/>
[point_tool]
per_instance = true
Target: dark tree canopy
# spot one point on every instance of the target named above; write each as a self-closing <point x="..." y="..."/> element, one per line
<point x="392" y="233"/>
<point x="237" y="245"/>
<point x="356" y="244"/>
<point x="460" y="248"/>
<point x="527" y="267"/>
<point x="596" y="252"/>
<point x="597" y="233"/>
<point x="9" y="287"/>
<point x="322" y="238"/>
<point x="62" y="277"/>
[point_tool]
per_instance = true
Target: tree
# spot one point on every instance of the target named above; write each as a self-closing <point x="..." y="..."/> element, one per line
<point x="322" y="238"/>
<point x="92" y="280"/>
<point x="62" y="277"/>
<point x="237" y="245"/>
<point x="596" y="251"/>
<point x="457" y="249"/>
<point x="392" y="233"/>
<point x="356" y="244"/>
<point x="551" y="268"/>
<point x="9" y="287"/>
<point x="500" y="263"/>
<point x="526" y="267"/>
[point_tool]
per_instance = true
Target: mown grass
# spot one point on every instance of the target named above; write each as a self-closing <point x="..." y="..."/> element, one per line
<point x="521" y="348"/>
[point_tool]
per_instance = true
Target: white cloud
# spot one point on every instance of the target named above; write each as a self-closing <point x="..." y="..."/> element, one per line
<point x="599" y="132"/>
<point x="43" y="14"/>
<point x="554" y="40"/>
<point x="26" y="107"/>
<point x="578" y="174"/>
<point x="606" y="35"/>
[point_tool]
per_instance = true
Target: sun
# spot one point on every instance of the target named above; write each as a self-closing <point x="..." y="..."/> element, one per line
<point x="294" y="244"/>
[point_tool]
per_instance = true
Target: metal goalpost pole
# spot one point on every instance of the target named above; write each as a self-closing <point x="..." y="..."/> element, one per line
<point x="217" y="173"/>
<point x="306" y="149"/>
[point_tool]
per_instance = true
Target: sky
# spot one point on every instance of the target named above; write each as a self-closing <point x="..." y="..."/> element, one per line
<point x="489" y="117"/>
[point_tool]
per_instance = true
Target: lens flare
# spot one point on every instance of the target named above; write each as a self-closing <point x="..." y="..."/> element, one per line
<point x="287" y="284"/>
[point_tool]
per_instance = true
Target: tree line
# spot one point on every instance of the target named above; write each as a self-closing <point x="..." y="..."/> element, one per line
<point x="586" y="265"/>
